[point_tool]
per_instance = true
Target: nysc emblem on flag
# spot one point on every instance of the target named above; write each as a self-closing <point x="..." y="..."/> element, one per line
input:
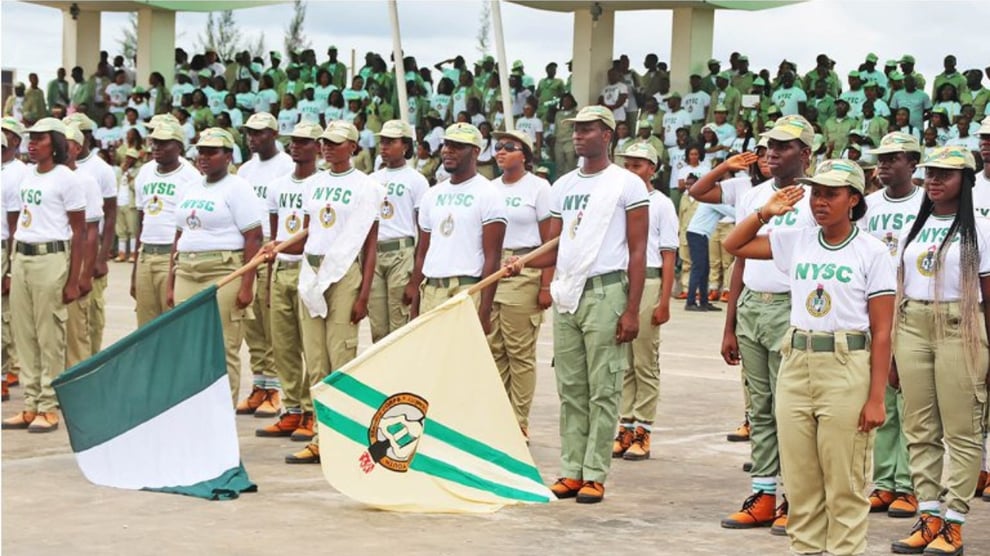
<point x="420" y="422"/>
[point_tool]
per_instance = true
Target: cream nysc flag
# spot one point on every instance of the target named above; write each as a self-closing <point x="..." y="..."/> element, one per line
<point x="421" y="423"/>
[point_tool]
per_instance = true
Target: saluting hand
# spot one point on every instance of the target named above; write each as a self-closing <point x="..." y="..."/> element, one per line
<point x="740" y="162"/>
<point x="782" y="201"/>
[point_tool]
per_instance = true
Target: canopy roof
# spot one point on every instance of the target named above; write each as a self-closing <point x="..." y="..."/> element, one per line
<point x="168" y="5"/>
<point x="622" y="5"/>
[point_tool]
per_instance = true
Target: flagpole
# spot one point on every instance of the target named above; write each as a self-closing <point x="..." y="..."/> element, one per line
<point x="502" y="272"/>
<point x="398" y="61"/>
<point x="503" y="66"/>
<point x="260" y="258"/>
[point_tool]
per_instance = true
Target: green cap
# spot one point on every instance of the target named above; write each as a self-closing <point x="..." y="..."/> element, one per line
<point x="869" y="84"/>
<point x="205" y="73"/>
<point x="789" y="128"/>
<point x="541" y="170"/>
<point x="488" y="58"/>
<point x="517" y="135"/>
<point x="774" y="109"/>
<point x="721" y="108"/>
<point x="275" y="55"/>
<point x="759" y="82"/>
<point x="641" y="150"/>
<point x="517" y="65"/>
<point x="897" y="142"/>
<point x="725" y="75"/>
<point x="47" y="124"/>
<point x="594" y="113"/>
<point x="339" y="131"/>
<point x="82" y="120"/>
<point x="838" y="173"/>
<point x="215" y="137"/>
<point x="397" y="129"/>
<point x="713" y="61"/>
<point x="855" y="74"/>
<point x="871" y="57"/>
<point x="890" y="64"/>
<point x="306" y="130"/>
<point x="14" y="126"/>
<point x="261" y="120"/>
<point x="742" y="58"/>
<point x="955" y="157"/>
<point x="896" y="76"/>
<point x="674" y="94"/>
<point x="166" y="130"/>
<point x="463" y="133"/>
<point x="857" y="132"/>
<point x="433" y="114"/>
<point x="907" y="59"/>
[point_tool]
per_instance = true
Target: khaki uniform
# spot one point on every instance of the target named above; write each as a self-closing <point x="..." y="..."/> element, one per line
<point x="77" y="332"/>
<point x="258" y="332"/>
<point x="151" y="282"/>
<point x="287" y="322"/>
<point x="721" y="260"/>
<point x="393" y="267"/>
<point x="97" y="314"/>
<point x="685" y="212"/>
<point x="641" y="386"/>
<point x="6" y="335"/>
<point x="433" y="292"/>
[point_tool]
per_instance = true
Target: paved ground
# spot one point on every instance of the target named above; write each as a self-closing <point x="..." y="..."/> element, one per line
<point x="670" y="504"/>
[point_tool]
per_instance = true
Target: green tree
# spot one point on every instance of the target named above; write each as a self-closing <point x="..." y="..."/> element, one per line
<point x="222" y="35"/>
<point x="128" y="40"/>
<point x="484" y="28"/>
<point x="295" y="40"/>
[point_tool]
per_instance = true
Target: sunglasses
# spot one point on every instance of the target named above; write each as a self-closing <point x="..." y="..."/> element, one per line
<point x="507" y="147"/>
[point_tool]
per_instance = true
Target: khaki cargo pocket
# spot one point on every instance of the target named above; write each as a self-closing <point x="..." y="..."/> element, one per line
<point x="861" y="465"/>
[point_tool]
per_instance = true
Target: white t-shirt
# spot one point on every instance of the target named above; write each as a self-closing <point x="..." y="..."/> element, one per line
<point x="696" y="105"/>
<point x="981" y="195"/>
<point x="109" y="136"/>
<point x="855" y="100"/>
<point x="569" y="197"/>
<point x="117" y="96"/>
<point x="261" y="173"/>
<point x="919" y="259"/>
<point x="178" y="90"/>
<point x="663" y="229"/>
<point x="156" y="196"/>
<point x="12" y="175"/>
<point x="321" y="95"/>
<point x="285" y="199"/>
<point x="611" y="94"/>
<point x="831" y="285"/>
<point x="455" y="216"/>
<point x="264" y="100"/>
<point x="404" y="190"/>
<point x="287" y="120"/>
<point x="764" y="276"/>
<point x="676" y="156"/>
<point x="45" y="201"/>
<point x="330" y="204"/>
<point x="309" y="112"/>
<point x="94" y="202"/>
<point x="214" y="217"/>
<point x="100" y="171"/>
<point x="531" y="126"/>
<point x="697" y="171"/>
<point x="672" y="121"/>
<point x="887" y="219"/>
<point x="788" y="100"/>
<point x="527" y="203"/>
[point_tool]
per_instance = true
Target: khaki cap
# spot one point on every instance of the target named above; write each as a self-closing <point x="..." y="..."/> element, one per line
<point x="168" y="131"/>
<point x="261" y="120"/>
<point x="47" y="124"/>
<point x="954" y="157"/>
<point x="516" y="135"/>
<point x="132" y="153"/>
<point x="792" y="127"/>
<point x="74" y="134"/>
<point x="763" y="143"/>
<point x="463" y="133"/>
<point x="897" y="142"/>
<point x="306" y="130"/>
<point x="838" y="173"/>
<point x="984" y="127"/>
<point x="396" y="129"/>
<point x="3" y="140"/>
<point x="595" y="113"/>
<point x="215" y="137"/>
<point x="82" y="120"/>
<point x="14" y="126"/>
<point x="159" y="118"/>
<point x="340" y="131"/>
<point x="641" y="150"/>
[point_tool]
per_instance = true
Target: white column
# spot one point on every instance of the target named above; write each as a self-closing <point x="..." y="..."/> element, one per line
<point x="690" y="45"/>
<point x="81" y="41"/>
<point x="155" y="45"/>
<point x="593" y="44"/>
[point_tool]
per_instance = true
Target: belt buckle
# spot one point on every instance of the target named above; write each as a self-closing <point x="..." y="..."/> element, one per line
<point x="767" y="297"/>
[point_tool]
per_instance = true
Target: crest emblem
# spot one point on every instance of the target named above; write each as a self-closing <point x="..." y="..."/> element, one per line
<point x="447" y="226"/>
<point x="293" y="223"/>
<point x="193" y="222"/>
<point x="891" y="242"/>
<point x="574" y="225"/>
<point x="819" y="302"/>
<point x="395" y="430"/>
<point x="926" y="262"/>
<point x="388" y="210"/>
<point x="26" y="218"/>
<point x="328" y="216"/>
<point x="154" y="207"/>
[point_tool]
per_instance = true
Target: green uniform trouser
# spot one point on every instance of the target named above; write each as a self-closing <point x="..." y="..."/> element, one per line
<point x="641" y="385"/>
<point x="891" y="471"/>
<point x="392" y="271"/>
<point x="97" y="314"/>
<point x="762" y="319"/>
<point x="196" y="271"/>
<point x="77" y="338"/>
<point x="685" y="213"/>
<point x="720" y="260"/>
<point x="258" y="332"/>
<point x="516" y="320"/>
<point x="330" y="342"/>
<point x="6" y="335"/>
<point x="564" y="156"/>
<point x="943" y="402"/>
<point x="151" y="286"/>
<point x="590" y="367"/>
<point x="825" y="458"/>
<point x="38" y="317"/>
<point x="287" y="318"/>
<point x="433" y="296"/>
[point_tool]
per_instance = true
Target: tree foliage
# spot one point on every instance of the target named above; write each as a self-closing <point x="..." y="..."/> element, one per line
<point x="222" y="35"/>
<point x="129" y="38"/>
<point x="295" y="40"/>
<point x="484" y="28"/>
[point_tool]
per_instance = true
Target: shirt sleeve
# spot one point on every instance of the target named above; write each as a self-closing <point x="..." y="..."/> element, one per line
<point x="556" y="200"/>
<point x="634" y="193"/>
<point x="424" y="212"/>
<point x="783" y="242"/>
<point x="669" y="239"/>
<point x="881" y="274"/>
<point x="418" y="188"/>
<point x="542" y="201"/>
<point x="271" y="197"/>
<point x="73" y="193"/>
<point x="246" y="209"/>
<point x="108" y="182"/>
<point x="494" y="207"/>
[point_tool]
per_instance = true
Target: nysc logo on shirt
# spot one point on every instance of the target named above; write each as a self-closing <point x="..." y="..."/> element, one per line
<point x="293" y="223"/>
<point x="197" y="204"/>
<point x="513" y="202"/>
<point x="31" y="196"/>
<point x="455" y="200"/>
<point x="823" y="271"/>
<point x="394" y="433"/>
<point x="927" y="261"/>
<point x="388" y="210"/>
<point x="819" y="302"/>
<point x="328" y="216"/>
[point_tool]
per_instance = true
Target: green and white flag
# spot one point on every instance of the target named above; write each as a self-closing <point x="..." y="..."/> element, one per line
<point x="153" y="411"/>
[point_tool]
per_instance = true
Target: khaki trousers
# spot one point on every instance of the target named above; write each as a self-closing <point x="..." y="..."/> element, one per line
<point x="431" y="297"/>
<point x="196" y="271"/>
<point x="944" y="402"/>
<point x="641" y="383"/>
<point x="126" y="226"/>
<point x="385" y="308"/>
<point x="151" y="286"/>
<point x="720" y="260"/>
<point x="685" y="212"/>
<point x="6" y="333"/>
<point x="515" y="326"/>
<point x="258" y="332"/>
<point x="287" y="321"/>
<point x="97" y="314"/>
<point x="564" y="157"/>
<point x="825" y="458"/>
<point x="77" y="337"/>
<point x="39" y="320"/>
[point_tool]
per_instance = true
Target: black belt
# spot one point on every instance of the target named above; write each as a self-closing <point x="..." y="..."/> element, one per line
<point x="607" y="279"/>
<point x="285" y="265"/>
<point x="33" y="249"/>
<point x="653" y="272"/>
<point x="447" y="282"/>
<point x="395" y="244"/>
<point x="156" y="249"/>
<point x="825" y="342"/>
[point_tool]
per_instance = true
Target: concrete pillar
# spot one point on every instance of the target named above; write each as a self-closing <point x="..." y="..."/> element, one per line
<point x="155" y="45"/>
<point x="81" y="41"/>
<point x="690" y="45"/>
<point x="593" y="43"/>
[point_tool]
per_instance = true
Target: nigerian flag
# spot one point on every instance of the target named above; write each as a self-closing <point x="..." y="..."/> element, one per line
<point x="420" y="422"/>
<point x="153" y="411"/>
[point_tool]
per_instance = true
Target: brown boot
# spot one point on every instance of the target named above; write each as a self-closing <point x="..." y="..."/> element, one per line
<point x="948" y="542"/>
<point x="757" y="511"/>
<point x="779" y="526"/>
<point x="923" y="533"/>
<point x="271" y="405"/>
<point x="640" y="447"/>
<point x="309" y="454"/>
<point x="20" y="421"/>
<point x="248" y="405"/>
<point x="741" y="434"/>
<point x="904" y="505"/>
<point x="623" y="440"/>
<point x="45" y="422"/>
<point x="306" y="429"/>
<point x="13" y="380"/>
<point x="591" y="493"/>
<point x="121" y="257"/>
<point x="566" y="488"/>
<point x="880" y="500"/>
<point x="285" y="426"/>
<point x="981" y="485"/>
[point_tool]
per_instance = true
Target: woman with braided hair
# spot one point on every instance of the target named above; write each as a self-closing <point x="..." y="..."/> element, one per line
<point x="940" y="348"/>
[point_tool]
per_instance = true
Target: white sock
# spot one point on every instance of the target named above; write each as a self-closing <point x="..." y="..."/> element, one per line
<point x="646" y="426"/>
<point x="122" y="246"/>
<point x="766" y="485"/>
<point x="133" y="244"/>
<point x="929" y="507"/>
<point x="955" y="517"/>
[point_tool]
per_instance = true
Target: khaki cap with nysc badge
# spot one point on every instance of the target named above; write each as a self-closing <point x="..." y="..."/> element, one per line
<point x="262" y="120"/>
<point x="159" y="118"/>
<point x="45" y="125"/>
<point x="463" y="133"/>
<point x="340" y="131"/>
<point x="167" y="130"/>
<point x="791" y="127"/>
<point x="13" y="126"/>
<point x="74" y="134"/>
<point x="954" y="157"/>
<point x="515" y="135"/>
<point x="838" y="173"/>
<point x="306" y="130"/>
<point x="215" y="137"/>
<point x="396" y="129"/>
<point x="594" y="113"/>
<point x="984" y="127"/>
<point x="640" y="150"/>
<point x="897" y="142"/>
<point x="82" y="120"/>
